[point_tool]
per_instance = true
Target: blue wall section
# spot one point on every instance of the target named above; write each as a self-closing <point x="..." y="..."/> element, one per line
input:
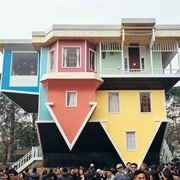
<point x="44" y="114"/>
<point x="6" y="76"/>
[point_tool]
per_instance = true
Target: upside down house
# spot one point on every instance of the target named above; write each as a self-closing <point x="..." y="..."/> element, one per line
<point x="99" y="90"/>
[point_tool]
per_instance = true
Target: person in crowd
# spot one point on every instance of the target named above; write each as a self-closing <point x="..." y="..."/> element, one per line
<point x="128" y="167"/>
<point x="26" y="171"/>
<point x="121" y="174"/>
<point x="34" y="175"/>
<point x="58" y="171"/>
<point x="1" y="173"/>
<point x="113" y="169"/>
<point x="44" y="175"/>
<point x="110" y="175"/>
<point x="6" y="176"/>
<point x="104" y="173"/>
<point x="72" y="172"/>
<point x="139" y="175"/>
<point x="13" y="174"/>
<point x="133" y="168"/>
<point x="81" y="174"/>
<point x="167" y="175"/>
<point x="120" y="169"/>
<point x="145" y="169"/>
<point x="65" y="175"/>
<point x="76" y="172"/>
<point x="98" y="174"/>
<point x="154" y="174"/>
<point x="90" y="174"/>
<point x="23" y="176"/>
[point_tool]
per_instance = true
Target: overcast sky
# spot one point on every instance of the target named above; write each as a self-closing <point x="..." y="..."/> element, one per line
<point x="19" y="18"/>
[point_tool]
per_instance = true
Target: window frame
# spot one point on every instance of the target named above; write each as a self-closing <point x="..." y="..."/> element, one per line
<point x="150" y="101"/>
<point x="129" y="143"/>
<point x="75" y="105"/>
<point x="90" y="64"/>
<point x="23" y="52"/>
<point x="80" y="56"/>
<point x="108" y="108"/>
<point x="52" y="50"/>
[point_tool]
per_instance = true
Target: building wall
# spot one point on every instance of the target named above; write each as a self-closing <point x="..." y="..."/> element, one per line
<point x="130" y="119"/>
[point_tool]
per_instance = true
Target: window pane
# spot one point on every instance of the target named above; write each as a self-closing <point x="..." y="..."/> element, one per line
<point x="113" y="102"/>
<point x="130" y="141"/>
<point x="51" y="60"/>
<point x="92" y="60"/>
<point x="71" y="100"/>
<point x="71" y="57"/>
<point x="145" y="102"/>
<point x="24" y="64"/>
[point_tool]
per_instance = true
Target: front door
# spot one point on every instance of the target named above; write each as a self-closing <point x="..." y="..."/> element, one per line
<point x="134" y="62"/>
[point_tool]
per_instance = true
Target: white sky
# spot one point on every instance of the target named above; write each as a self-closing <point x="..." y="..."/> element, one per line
<point x="18" y="18"/>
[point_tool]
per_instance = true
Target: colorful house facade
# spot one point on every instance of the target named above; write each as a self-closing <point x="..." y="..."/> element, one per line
<point x="99" y="90"/>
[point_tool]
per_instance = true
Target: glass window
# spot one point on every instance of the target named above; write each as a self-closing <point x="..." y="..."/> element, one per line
<point x="51" y="56"/>
<point x="145" y="102"/>
<point x="92" y="60"/>
<point x="130" y="140"/>
<point x="71" y="57"/>
<point x="71" y="99"/>
<point x="24" y="64"/>
<point x="113" y="102"/>
<point x="142" y="64"/>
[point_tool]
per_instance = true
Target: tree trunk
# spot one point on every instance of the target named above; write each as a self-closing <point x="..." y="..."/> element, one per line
<point x="4" y="157"/>
<point x="34" y="117"/>
<point x="11" y="143"/>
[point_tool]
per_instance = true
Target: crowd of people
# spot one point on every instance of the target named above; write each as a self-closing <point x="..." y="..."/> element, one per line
<point x="131" y="171"/>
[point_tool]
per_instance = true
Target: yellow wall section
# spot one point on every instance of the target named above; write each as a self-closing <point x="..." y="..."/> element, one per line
<point x="130" y="119"/>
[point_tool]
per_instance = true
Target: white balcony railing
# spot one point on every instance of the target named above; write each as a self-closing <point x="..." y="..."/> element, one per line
<point x="28" y="159"/>
<point x="119" y="72"/>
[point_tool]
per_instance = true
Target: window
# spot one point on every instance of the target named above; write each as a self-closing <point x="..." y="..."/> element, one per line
<point x="71" y="57"/>
<point x="142" y="64"/>
<point x="145" y="103"/>
<point x="130" y="140"/>
<point x="51" y="58"/>
<point x="113" y="102"/>
<point x="92" y="60"/>
<point x="126" y="64"/>
<point x="24" y="64"/>
<point x="71" y="99"/>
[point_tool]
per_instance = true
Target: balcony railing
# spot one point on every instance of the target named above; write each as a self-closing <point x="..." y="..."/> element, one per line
<point x="119" y="71"/>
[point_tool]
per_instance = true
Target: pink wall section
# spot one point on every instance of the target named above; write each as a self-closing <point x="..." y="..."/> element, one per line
<point x="93" y="47"/>
<point x="71" y="118"/>
<point x="73" y="44"/>
<point x="51" y="47"/>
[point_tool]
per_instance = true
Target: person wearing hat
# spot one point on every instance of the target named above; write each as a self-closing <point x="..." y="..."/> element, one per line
<point x="121" y="174"/>
<point x="120" y="169"/>
<point x="110" y="175"/>
<point x="90" y="174"/>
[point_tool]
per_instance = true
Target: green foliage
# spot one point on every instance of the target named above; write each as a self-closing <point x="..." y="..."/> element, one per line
<point x="17" y="129"/>
<point x="16" y="157"/>
<point x="173" y="92"/>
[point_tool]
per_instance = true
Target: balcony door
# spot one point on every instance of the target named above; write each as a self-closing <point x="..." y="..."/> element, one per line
<point x="134" y="58"/>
